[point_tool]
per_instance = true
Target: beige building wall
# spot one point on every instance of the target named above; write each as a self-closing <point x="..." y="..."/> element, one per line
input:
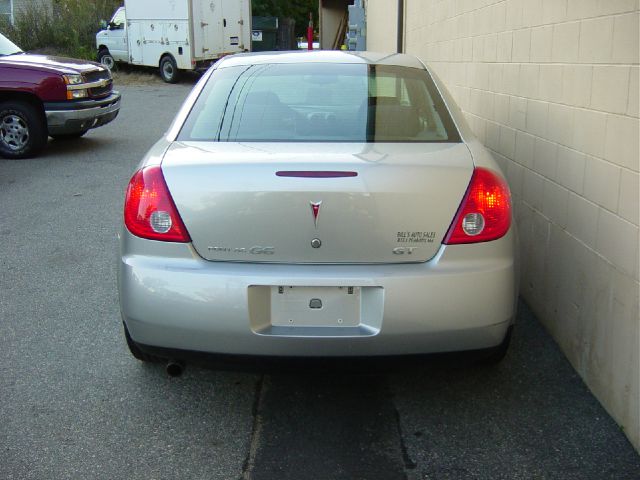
<point x="382" y="25"/>
<point x="551" y="87"/>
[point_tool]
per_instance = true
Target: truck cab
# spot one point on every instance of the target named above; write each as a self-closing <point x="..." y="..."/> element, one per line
<point x="112" y="41"/>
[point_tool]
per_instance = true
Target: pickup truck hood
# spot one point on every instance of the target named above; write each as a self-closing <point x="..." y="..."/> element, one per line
<point x="50" y="62"/>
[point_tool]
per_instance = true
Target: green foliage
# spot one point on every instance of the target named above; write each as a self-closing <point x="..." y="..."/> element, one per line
<point x="297" y="9"/>
<point x="69" y="28"/>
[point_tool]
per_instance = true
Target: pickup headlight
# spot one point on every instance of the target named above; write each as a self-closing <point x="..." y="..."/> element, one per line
<point x="73" y="94"/>
<point x="75" y="88"/>
<point x="73" y="79"/>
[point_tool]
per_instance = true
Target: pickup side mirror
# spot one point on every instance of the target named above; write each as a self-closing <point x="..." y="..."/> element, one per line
<point x="103" y="24"/>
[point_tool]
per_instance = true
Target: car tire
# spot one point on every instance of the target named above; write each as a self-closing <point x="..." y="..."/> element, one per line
<point x="23" y="130"/>
<point x="106" y="59"/>
<point x="69" y="136"/>
<point x="169" y="69"/>
<point x="136" y="351"/>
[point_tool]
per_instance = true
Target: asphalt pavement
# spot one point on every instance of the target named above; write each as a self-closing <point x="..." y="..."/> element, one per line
<point x="75" y="405"/>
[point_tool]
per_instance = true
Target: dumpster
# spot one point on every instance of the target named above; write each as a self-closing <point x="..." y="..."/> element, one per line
<point x="264" y="33"/>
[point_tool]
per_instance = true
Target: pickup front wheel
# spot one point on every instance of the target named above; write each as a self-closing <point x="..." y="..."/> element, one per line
<point x="23" y="131"/>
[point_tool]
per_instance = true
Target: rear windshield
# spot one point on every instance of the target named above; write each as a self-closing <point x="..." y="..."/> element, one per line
<point x="319" y="103"/>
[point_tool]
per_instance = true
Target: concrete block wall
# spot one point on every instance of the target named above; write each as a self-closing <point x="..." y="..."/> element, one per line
<point x="551" y="87"/>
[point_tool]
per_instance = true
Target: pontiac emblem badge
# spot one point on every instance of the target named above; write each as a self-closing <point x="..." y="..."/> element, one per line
<point x="315" y="210"/>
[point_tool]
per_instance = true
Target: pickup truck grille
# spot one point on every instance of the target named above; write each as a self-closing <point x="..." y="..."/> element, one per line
<point x="96" y="76"/>
<point x="101" y="91"/>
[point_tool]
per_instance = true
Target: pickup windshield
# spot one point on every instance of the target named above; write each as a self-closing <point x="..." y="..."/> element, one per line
<point x="7" y="47"/>
<point x="320" y="103"/>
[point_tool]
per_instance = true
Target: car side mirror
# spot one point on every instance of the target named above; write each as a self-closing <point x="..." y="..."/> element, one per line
<point x="103" y="24"/>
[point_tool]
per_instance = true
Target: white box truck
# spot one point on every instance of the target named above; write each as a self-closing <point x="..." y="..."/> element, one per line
<point x="175" y="35"/>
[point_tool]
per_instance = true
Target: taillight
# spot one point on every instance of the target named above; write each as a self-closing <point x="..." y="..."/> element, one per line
<point x="149" y="211"/>
<point x="485" y="212"/>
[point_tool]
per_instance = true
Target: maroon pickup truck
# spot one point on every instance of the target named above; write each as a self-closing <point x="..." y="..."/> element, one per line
<point x="43" y="96"/>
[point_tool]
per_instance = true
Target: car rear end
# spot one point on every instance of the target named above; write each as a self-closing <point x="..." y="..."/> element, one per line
<point x="350" y="218"/>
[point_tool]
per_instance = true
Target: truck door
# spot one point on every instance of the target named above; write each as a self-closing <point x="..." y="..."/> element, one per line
<point x="115" y="38"/>
<point x="207" y="29"/>
<point x="235" y="24"/>
<point x="136" y="39"/>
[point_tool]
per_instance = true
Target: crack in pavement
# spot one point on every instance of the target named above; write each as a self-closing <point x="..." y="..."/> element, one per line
<point x="256" y="430"/>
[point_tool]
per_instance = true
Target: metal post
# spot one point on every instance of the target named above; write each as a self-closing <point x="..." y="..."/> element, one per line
<point x="400" y="45"/>
<point x="310" y="32"/>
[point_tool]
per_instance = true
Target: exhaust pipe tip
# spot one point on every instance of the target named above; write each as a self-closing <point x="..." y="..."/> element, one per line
<point x="174" y="367"/>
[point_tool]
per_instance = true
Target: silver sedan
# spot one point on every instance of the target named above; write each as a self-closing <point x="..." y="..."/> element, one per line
<point x="317" y="204"/>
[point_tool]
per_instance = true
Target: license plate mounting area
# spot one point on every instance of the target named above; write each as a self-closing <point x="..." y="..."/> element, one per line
<point x="295" y="306"/>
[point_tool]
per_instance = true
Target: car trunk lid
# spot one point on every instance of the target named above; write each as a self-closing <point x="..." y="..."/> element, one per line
<point x="317" y="203"/>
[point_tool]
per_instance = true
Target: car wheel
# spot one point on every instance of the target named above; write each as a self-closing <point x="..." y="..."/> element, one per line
<point x="22" y="130"/>
<point x="169" y="70"/>
<point x="135" y="349"/>
<point x="106" y="59"/>
<point x="69" y="136"/>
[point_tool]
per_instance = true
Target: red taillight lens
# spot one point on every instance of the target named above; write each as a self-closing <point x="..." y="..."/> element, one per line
<point x="149" y="211"/>
<point x="485" y="212"/>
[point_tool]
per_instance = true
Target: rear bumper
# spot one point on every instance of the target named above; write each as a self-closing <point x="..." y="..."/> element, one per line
<point x="72" y="117"/>
<point x="463" y="299"/>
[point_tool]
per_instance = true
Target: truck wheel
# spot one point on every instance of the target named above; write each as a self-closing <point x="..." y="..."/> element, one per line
<point x="169" y="70"/>
<point x="106" y="59"/>
<point x="23" y="130"/>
